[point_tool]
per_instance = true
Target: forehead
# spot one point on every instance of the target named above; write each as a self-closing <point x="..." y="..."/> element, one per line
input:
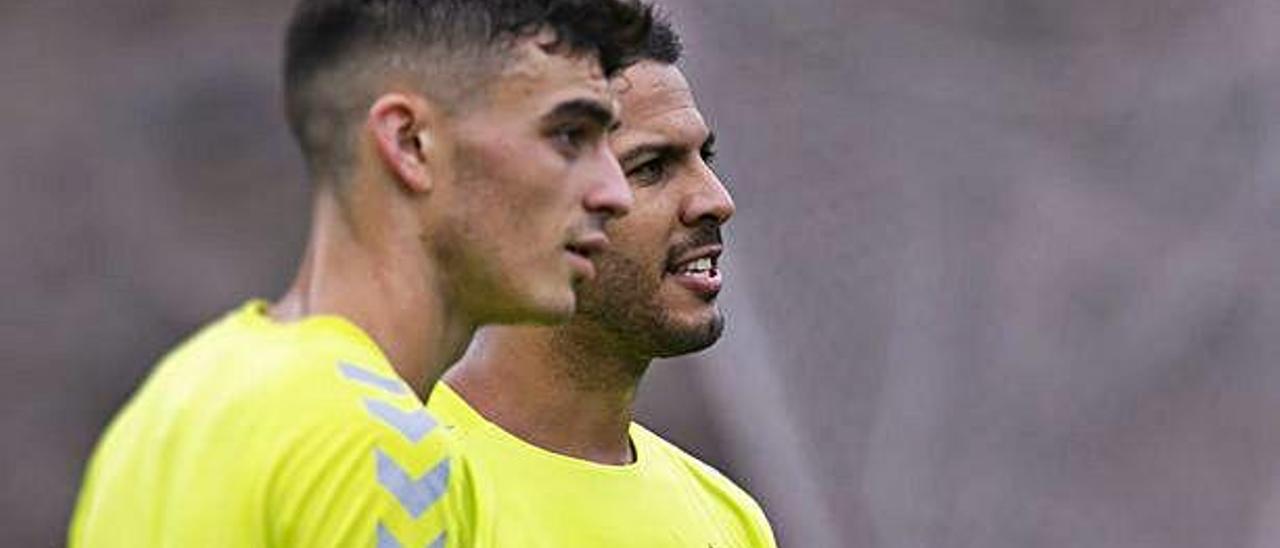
<point x="656" y="102"/>
<point x="535" y="79"/>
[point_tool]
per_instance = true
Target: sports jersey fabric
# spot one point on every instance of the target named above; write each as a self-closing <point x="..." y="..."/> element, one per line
<point x="257" y="433"/>
<point x="528" y="497"/>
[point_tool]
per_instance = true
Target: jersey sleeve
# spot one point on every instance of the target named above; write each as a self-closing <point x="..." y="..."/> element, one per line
<point x="371" y="471"/>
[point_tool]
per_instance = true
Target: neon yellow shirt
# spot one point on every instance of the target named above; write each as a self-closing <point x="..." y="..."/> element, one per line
<point x="258" y="433"/>
<point x="528" y="497"/>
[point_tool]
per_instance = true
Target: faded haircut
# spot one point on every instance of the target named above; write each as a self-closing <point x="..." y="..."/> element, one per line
<point x="336" y="51"/>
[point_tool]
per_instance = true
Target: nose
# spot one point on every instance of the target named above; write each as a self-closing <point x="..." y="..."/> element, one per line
<point x="608" y="194"/>
<point x="710" y="202"/>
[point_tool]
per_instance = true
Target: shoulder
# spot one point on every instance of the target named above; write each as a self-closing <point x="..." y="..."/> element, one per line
<point x="367" y="460"/>
<point x="732" y="502"/>
<point x="347" y="414"/>
<point x="344" y="450"/>
<point x="647" y="440"/>
<point x="311" y="437"/>
<point x="463" y="421"/>
<point x="305" y="371"/>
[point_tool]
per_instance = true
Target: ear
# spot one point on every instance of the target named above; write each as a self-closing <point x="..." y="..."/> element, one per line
<point x="401" y="127"/>
<point x="547" y="40"/>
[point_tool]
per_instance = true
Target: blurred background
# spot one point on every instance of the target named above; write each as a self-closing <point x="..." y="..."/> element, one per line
<point x="1003" y="272"/>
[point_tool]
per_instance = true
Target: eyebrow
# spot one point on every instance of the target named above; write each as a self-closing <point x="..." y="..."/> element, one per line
<point x="667" y="150"/>
<point x="709" y="145"/>
<point x="585" y="108"/>
<point x="660" y="150"/>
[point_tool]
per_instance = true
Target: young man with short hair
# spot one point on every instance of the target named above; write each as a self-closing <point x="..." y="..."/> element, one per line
<point x="461" y="177"/>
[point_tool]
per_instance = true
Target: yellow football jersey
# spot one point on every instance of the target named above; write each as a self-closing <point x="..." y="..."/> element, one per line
<point x="528" y="497"/>
<point x="259" y="433"/>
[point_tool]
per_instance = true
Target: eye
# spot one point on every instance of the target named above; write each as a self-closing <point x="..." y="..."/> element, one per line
<point x="572" y="139"/>
<point x="649" y="173"/>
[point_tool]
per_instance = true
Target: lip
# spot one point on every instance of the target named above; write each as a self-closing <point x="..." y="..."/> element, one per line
<point x="579" y="252"/>
<point x="705" y="287"/>
<point x="581" y="265"/>
<point x="589" y="244"/>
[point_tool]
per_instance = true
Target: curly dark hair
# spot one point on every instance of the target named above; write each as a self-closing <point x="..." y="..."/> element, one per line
<point x="454" y="45"/>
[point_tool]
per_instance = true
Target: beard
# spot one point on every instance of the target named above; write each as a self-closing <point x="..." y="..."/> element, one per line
<point x="624" y="305"/>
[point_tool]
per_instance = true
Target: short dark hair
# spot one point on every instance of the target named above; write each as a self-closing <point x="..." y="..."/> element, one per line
<point x="664" y="45"/>
<point x="330" y="42"/>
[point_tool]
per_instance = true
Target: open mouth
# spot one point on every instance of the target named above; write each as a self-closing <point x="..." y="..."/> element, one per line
<point x="698" y="272"/>
<point x="704" y="267"/>
<point x="579" y="250"/>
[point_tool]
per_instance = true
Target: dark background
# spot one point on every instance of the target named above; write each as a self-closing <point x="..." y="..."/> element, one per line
<point x="1002" y="275"/>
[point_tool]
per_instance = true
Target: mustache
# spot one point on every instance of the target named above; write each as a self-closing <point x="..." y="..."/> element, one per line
<point x="703" y="235"/>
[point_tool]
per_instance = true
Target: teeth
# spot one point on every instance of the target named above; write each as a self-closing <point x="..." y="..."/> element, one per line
<point x="699" y="266"/>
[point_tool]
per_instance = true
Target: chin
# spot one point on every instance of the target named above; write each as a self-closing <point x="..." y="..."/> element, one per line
<point x="551" y="316"/>
<point x="551" y="309"/>
<point x="702" y="319"/>
<point x="684" y="335"/>
<point x="538" y="307"/>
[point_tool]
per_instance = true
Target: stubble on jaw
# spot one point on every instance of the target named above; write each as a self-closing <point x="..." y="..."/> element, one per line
<point x="620" y="321"/>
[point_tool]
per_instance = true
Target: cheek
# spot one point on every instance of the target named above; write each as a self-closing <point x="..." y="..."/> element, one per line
<point x="520" y="191"/>
<point x="626" y="287"/>
<point x="647" y="232"/>
<point x="536" y="177"/>
<point x="642" y="244"/>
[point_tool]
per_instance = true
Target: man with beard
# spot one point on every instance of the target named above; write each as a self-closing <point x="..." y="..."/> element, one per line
<point x="461" y="177"/>
<point x="543" y="416"/>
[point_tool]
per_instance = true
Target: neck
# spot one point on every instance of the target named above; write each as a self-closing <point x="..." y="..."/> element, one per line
<point x="556" y="388"/>
<point x="374" y="274"/>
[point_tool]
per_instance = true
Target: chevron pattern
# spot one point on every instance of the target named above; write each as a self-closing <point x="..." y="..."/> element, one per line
<point x="387" y="540"/>
<point x="438" y="542"/>
<point x="415" y="494"/>
<point x="366" y="377"/>
<point x="413" y="425"/>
